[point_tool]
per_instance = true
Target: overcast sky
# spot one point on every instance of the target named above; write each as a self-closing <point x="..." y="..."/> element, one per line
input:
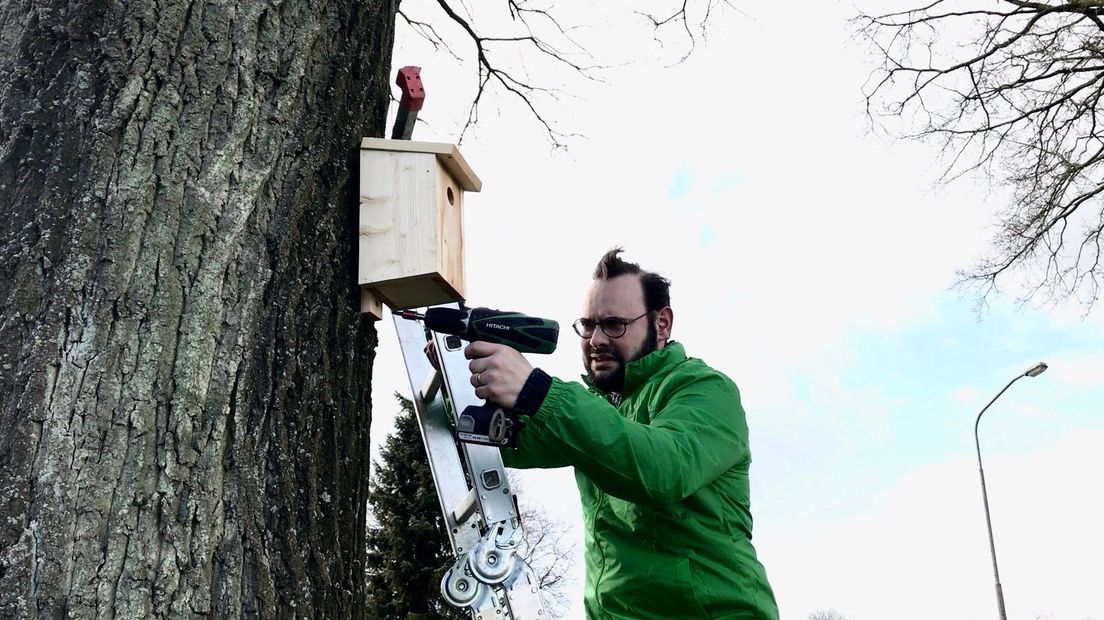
<point x="811" y="261"/>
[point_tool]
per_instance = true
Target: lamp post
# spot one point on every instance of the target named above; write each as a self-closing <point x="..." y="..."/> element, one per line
<point x="1034" y="371"/>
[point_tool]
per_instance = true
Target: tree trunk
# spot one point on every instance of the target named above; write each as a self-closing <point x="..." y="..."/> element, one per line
<point x="184" y="371"/>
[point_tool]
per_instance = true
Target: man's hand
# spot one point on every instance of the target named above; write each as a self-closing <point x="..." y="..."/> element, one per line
<point x="498" y="372"/>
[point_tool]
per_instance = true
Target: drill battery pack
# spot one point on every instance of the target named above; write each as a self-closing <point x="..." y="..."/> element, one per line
<point x="488" y="425"/>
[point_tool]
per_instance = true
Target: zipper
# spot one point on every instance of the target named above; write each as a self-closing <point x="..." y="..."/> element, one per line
<point x="599" y="505"/>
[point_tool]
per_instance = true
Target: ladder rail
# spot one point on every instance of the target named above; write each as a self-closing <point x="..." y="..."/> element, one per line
<point x="437" y="436"/>
<point x="484" y="463"/>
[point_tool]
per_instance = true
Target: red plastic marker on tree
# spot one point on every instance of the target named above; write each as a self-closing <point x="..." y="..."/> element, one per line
<point x="409" y="80"/>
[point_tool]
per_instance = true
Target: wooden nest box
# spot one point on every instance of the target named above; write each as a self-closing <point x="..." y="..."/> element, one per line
<point x="411" y="223"/>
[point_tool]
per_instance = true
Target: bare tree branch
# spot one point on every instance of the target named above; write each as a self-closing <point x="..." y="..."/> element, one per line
<point x="1010" y="92"/>
<point x="490" y="72"/>
<point x="534" y="33"/>
<point x="427" y="32"/>
<point x="680" y="18"/>
<point x="828" y="614"/>
<point x="546" y="547"/>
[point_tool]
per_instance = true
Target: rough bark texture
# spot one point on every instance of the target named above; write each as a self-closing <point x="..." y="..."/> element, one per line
<point x="184" y="373"/>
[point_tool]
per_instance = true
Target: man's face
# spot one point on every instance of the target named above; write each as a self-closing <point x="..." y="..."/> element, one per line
<point x="603" y="357"/>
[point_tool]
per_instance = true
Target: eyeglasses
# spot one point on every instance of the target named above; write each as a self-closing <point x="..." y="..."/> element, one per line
<point x="612" y="326"/>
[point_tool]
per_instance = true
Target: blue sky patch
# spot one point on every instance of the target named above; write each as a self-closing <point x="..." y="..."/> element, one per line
<point x="680" y="184"/>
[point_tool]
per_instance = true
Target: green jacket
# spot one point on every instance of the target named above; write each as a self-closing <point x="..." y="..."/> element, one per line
<point x="664" y="485"/>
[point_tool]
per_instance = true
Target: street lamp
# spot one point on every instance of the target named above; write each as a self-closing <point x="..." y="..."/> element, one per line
<point x="1034" y="371"/>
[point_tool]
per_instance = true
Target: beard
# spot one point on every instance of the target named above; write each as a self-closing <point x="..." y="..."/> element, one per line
<point x="613" y="381"/>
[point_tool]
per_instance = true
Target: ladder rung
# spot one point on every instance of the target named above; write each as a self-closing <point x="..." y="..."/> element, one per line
<point x="431" y="386"/>
<point x="465" y="508"/>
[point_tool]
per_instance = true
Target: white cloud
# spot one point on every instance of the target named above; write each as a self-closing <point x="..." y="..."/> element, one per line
<point x="1076" y="369"/>
<point x="921" y="550"/>
<point x="968" y="396"/>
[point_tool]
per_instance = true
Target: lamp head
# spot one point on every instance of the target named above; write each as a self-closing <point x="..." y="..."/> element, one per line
<point x="1036" y="370"/>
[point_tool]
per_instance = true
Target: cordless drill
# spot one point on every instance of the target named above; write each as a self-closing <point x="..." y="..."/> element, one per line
<point x="527" y="334"/>
<point x="487" y="424"/>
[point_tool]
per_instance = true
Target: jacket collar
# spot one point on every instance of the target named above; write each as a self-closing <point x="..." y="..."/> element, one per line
<point x="657" y="362"/>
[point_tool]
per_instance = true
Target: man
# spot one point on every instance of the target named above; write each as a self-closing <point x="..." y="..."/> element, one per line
<point x="659" y="444"/>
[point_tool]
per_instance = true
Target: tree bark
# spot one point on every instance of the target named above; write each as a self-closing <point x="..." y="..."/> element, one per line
<point x="184" y="371"/>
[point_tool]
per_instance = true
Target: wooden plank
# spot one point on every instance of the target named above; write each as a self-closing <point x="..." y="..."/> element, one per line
<point x="370" y="304"/>
<point x="416" y="292"/>
<point x="398" y="212"/>
<point x="450" y="231"/>
<point x="447" y="154"/>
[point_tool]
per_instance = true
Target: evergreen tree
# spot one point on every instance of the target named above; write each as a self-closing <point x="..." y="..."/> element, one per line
<point x="408" y="548"/>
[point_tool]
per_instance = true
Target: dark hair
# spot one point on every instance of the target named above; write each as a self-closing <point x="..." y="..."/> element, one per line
<point x="657" y="289"/>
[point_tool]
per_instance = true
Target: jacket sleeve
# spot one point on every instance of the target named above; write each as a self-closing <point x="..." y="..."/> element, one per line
<point x="697" y="433"/>
<point x="535" y="449"/>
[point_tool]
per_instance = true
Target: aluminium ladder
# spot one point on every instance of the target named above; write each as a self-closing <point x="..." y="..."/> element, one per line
<point x="489" y="578"/>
